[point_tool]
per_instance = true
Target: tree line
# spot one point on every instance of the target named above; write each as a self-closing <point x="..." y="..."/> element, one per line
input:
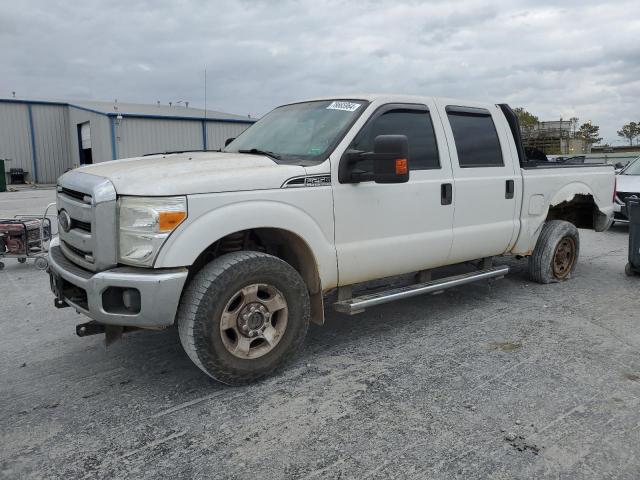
<point x="630" y="131"/>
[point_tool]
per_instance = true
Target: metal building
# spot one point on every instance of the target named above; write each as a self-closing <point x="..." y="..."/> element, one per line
<point x="46" y="138"/>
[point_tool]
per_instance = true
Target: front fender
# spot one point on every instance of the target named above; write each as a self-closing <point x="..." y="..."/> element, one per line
<point x="192" y="238"/>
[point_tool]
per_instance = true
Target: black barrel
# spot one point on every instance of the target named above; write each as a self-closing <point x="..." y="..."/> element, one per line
<point x="3" y="177"/>
<point x="633" y="213"/>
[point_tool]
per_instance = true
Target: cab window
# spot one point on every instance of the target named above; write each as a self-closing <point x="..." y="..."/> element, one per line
<point x="418" y="128"/>
<point x="476" y="138"/>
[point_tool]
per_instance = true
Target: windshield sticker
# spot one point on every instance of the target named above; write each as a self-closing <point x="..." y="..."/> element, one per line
<point x="345" y="106"/>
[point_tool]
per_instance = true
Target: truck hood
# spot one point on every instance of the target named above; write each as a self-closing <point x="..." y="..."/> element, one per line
<point x="193" y="172"/>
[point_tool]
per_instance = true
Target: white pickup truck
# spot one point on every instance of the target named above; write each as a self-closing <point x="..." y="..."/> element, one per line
<point x="240" y="247"/>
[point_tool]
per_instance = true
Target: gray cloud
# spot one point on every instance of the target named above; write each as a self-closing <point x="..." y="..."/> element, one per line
<point x="580" y="58"/>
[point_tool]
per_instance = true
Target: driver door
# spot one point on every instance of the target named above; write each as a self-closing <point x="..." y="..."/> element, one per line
<point x="389" y="229"/>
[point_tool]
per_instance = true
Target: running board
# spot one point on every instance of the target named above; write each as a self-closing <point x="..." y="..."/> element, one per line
<point x="358" y="304"/>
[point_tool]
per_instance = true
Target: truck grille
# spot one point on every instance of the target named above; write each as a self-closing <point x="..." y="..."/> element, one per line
<point x="83" y="197"/>
<point x="76" y="251"/>
<point x="87" y="207"/>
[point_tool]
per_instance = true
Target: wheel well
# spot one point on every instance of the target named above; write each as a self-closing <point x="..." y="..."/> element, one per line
<point x="279" y="243"/>
<point x="581" y="210"/>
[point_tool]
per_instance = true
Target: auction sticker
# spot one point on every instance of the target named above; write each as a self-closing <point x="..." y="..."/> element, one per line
<point x="346" y="106"/>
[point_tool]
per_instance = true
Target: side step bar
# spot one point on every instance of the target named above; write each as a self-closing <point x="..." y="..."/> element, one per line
<point x="359" y="304"/>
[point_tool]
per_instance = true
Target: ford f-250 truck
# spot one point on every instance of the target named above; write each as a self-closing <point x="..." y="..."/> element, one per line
<point x="239" y="247"/>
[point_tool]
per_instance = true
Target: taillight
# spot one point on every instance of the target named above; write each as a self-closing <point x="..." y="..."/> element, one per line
<point x="615" y="188"/>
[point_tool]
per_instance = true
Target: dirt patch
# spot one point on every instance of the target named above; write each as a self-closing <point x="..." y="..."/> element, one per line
<point x="505" y="346"/>
<point x="634" y="377"/>
<point x="519" y="443"/>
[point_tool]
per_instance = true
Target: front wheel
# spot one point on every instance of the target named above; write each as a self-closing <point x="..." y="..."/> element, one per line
<point x="556" y="253"/>
<point x="243" y="316"/>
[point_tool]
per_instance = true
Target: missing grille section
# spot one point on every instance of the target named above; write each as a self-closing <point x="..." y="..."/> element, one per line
<point x="86" y="226"/>
<point x="77" y="251"/>
<point x="83" y="197"/>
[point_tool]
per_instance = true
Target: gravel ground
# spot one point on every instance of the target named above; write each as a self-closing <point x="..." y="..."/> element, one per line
<point x="502" y="380"/>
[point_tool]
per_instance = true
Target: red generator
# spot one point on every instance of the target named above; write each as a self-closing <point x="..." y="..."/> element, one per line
<point x="22" y="238"/>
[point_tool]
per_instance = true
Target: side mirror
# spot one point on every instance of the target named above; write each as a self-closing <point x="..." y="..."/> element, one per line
<point x="391" y="159"/>
<point x="228" y="141"/>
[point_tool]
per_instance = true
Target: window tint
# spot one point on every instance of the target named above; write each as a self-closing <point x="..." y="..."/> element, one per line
<point x="476" y="140"/>
<point x="415" y="124"/>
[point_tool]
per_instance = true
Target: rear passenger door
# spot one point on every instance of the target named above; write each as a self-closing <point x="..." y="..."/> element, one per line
<point x="485" y="181"/>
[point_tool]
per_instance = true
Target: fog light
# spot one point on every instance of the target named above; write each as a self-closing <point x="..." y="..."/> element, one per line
<point x="121" y="301"/>
<point x="131" y="299"/>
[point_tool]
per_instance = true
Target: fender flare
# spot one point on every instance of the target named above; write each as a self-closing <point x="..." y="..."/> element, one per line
<point x="531" y="225"/>
<point x="184" y="245"/>
<point x="569" y="191"/>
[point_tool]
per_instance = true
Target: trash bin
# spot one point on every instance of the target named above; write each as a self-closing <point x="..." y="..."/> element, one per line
<point x="633" y="213"/>
<point x="3" y="177"/>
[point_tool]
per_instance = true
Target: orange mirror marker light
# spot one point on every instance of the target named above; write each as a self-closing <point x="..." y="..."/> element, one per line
<point x="401" y="166"/>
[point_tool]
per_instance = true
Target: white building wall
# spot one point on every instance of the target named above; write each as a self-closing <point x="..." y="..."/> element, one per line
<point x="15" y="136"/>
<point x="141" y="136"/>
<point x="55" y="128"/>
<point x="218" y="132"/>
<point x="50" y="125"/>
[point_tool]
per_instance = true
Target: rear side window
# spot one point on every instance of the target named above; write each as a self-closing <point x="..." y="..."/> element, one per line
<point x="476" y="138"/>
<point x="415" y="124"/>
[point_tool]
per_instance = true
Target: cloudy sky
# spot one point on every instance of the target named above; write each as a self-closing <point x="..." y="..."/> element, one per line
<point x="557" y="59"/>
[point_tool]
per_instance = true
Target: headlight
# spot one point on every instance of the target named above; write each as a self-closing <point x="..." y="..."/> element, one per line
<point x="145" y="224"/>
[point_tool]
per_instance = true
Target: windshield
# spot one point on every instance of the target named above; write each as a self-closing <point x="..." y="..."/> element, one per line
<point x="633" y="168"/>
<point x="301" y="132"/>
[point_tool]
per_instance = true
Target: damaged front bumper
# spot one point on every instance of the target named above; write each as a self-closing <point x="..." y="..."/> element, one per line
<point x="124" y="296"/>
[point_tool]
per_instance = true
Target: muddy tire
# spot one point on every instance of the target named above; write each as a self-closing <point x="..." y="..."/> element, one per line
<point x="243" y="316"/>
<point x="556" y="253"/>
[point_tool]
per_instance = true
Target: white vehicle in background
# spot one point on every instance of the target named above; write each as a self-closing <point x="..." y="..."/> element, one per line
<point x="239" y="247"/>
<point x="627" y="185"/>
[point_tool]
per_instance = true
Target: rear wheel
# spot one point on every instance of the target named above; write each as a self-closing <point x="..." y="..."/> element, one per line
<point x="243" y="315"/>
<point x="556" y="253"/>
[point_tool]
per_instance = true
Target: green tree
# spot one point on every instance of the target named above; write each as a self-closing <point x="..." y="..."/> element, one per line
<point x="630" y="131"/>
<point x="527" y="120"/>
<point x="589" y="133"/>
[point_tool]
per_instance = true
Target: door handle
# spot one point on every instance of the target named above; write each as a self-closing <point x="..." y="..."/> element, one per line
<point x="446" y="194"/>
<point x="510" y="189"/>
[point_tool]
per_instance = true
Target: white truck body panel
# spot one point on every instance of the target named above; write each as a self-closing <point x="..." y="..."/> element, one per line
<point x="306" y="212"/>
<point x="547" y="187"/>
